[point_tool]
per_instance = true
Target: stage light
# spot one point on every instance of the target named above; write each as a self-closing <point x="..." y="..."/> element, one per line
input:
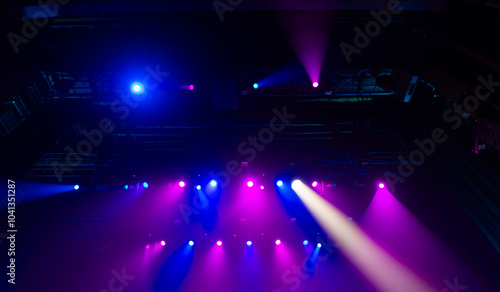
<point x="278" y="242"/>
<point x="381" y="185"/>
<point x="213" y="183"/>
<point x="145" y="185"/>
<point x="261" y="187"/>
<point x="148" y="246"/>
<point x="305" y="242"/>
<point x="198" y="187"/>
<point x="250" y="184"/>
<point x="182" y="184"/>
<point x="296" y="184"/>
<point x="191" y="87"/>
<point x="318" y="245"/>
<point x="255" y="85"/>
<point x="162" y="242"/>
<point x="76" y="187"/>
<point x="279" y="183"/>
<point x="315" y="84"/>
<point x="219" y="243"/>
<point x="126" y="187"/>
<point x="314" y="184"/>
<point x="137" y="88"/>
<point x="249" y="243"/>
<point x="191" y="243"/>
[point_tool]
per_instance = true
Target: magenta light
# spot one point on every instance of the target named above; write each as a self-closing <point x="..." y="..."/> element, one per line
<point x="163" y="242"/>
<point x="278" y="242"/>
<point x="219" y="243"/>
<point x="315" y="84"/>
<point x="381" y="185"/>
<point x="182" y="184"/>
<point x="314" y="184"/>
<point x="250" y="184"/>
<point x="148" y="246"/>
<point x="191" y="87"/>
<point x="261" y="187"/>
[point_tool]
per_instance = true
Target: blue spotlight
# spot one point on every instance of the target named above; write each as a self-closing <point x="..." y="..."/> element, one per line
<point x="126" y="187"/>
<point x="318" y="245"/>
<point x="198" y="187"/>
<point x="256" y="85"/>
<point x="145" y="185"/>
<point x="279" y="183"/>
<point x="77" y="187"/>
<point x="249" y="243"/>
<point x="191" y="243"/>
<point x="305" y="242"/>
<point x="137" y="88"/>
<point x="213" y="183"/>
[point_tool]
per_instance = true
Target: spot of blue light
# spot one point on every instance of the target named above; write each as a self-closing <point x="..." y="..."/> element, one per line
<point x="198" y="187"/>
<point x="305" y="242"/>
<point x="145" y="185"/>
<point x="126" y="187"/>
<point x="77" y="187"/>
<point x="137" y="88"/>
<point x="318" y="245"/>
<point x="191" y="243"/>
<point x="213" y="183"/>
<point x="255" y="85"/>
<point x="279" y="183"/>
<point x="249" y="243"/>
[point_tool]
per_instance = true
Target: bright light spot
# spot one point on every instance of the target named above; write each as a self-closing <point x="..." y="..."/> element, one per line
<point x="191" y="243"/>
<point x="318" y="245"/>
<point x="296" y="184"/>
<point x="250" y="184"/>
<point x="249" y="243"/>
<point x="213" y="183"/>
<point x="163" y="242"/>
<point x="279" y="183"/>
<point x="77" y="187"/>
<point x="314" y="184"/>
<point x="191" y="87"/>
<point x="145" y="184"/>
<point x="278" y="242"/>
<point x="219" y="243"/>
<point x="198" y="187"/>
<point x="315" y="84"/>
<point x="182" y="184"/>
<point x="137" y="88"/>
<point x="381" y="185"/>
<point x="255" y="85"/>
<point x="261" y="187"/>
<point x="126" y="187"/>
<point x="148" y="246"/>
<point x="305" y="242"/>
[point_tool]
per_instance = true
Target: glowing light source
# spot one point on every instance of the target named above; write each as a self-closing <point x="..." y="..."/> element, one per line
<point x="198" y="187"/>
<point x="278" y="242"/>
<point x="137" y="88"/>
<point x="250" y="184"/>
<point x="213" y="183"/>
<point x="162" y="242"/>
<point x="381" y="185"/>
<point x="145" y="184"/>
<point x="182" y="184"/>
<point x="318" y="245"/>
<point x="219" y="243"/>
<point x="305" y="242"/>
<point x="148" y="246"/>
<point x="296" y="184"/>
<point x="126" y="187"/>
<point x="315" y="84"/>
<point x="255" y="85"/>
<point x="261" y="187"/>
<point x="191" y="243"/>
<point x="191" y="87"/>
<point x="249" y="243"/>
<point x="76" y="187"/>
<point x="314" y="184"/>
<point x="279" y="183"/>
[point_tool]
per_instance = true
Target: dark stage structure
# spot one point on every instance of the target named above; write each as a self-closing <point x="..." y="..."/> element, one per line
<point x="250" y="145"/>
